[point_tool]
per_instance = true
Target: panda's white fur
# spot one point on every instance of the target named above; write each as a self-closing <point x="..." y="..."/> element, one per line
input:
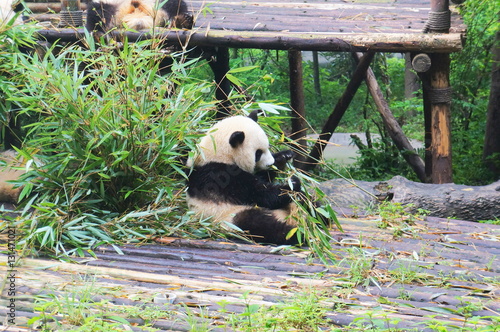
<point x="7" y="12"/>
<point x="224" y="183"/>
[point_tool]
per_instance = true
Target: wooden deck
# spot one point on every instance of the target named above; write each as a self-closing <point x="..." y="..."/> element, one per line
<point x="437" y="270"/>
<point x="314" y="25"/>
<point x="316" y="16"/>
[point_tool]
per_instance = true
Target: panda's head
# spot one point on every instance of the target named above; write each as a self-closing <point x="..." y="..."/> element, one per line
<point x="236" y="140"/>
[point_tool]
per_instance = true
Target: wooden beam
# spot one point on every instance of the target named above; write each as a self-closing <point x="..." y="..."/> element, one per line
<point x="338" y="42"/>
<point x="297" y="98"/>
<point x="340" y="108"/>
<point x="392" y="125"/>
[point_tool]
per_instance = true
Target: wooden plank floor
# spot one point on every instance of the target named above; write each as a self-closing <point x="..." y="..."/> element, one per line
<point x="433" y="269"/>
<point x="332" y="16"/>
<point x="311" y="16"/>
<point x="315" y="25"/>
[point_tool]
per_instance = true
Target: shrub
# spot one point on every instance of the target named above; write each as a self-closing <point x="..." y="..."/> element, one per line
<point x="110" y="138"/>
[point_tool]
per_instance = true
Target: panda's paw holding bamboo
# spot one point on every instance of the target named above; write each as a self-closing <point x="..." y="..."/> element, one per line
<point x="295" y="183"/>
<point x="282" y="157"/>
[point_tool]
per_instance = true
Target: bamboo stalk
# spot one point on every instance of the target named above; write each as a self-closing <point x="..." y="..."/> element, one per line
<point x="249" y="286"/>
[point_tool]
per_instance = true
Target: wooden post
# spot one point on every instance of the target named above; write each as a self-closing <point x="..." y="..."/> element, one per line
<point x="437" y="97"/>
<point x="299" y="124"/>
<point x="220" y="67"/>
<point x="339" y="110"/>
<point x="316" y="76"/>
<point x="440" y="119"/>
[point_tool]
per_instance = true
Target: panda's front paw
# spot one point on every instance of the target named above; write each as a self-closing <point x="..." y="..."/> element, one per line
<point x="295" y="183"/>
<point x="282" y="157"/>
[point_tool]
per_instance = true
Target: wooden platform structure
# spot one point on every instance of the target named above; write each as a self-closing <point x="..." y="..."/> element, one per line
<point x="434" y="272"/>
<point x="425" y="29"/>
<point x="431" y="272"/>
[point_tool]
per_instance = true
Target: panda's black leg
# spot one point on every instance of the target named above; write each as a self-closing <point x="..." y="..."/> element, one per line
<point x="263" y="227"/>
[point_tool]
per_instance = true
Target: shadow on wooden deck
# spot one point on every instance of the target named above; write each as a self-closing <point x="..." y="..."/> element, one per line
<point x="438" y="270"/>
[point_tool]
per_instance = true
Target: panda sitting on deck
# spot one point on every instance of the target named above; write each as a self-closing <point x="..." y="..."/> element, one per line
<point x="230" y="181"/>
<point x="104" y="15"/>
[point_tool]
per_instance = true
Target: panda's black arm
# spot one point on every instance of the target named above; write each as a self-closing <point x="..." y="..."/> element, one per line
<point x="264" y="194"/>
<point x="229" y="183"/>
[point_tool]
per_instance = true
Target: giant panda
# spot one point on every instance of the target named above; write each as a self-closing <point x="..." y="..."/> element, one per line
<point x="230" y="181"/>
<point x="104" y="15"/>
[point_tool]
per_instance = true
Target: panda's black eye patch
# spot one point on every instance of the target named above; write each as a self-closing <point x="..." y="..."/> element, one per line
<point x="258" y="155"/>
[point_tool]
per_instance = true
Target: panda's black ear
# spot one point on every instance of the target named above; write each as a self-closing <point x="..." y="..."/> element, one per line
<point x="18" y="6"/>
<point x="254" y="115"/>
<point x="237" y="139"/>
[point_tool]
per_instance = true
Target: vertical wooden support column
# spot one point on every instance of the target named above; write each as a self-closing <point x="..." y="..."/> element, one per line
<point x="299" y="124"/>
<point x="437" y="98"/>
<point x="427" y="125"/>
<point x="316" y="75"/>
<point x="440" y="114"/>
<point x="220" y="68"/>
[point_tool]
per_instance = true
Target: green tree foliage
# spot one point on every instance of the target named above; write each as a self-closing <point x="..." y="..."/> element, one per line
<point x="109" y="139"/>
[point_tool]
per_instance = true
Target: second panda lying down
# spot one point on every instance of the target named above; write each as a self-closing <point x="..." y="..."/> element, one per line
<point x="104" y="15"/>
<point x="231" y="181"/>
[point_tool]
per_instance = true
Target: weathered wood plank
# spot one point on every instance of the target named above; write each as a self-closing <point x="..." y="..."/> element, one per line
<point x="448" y="264"/>
<point x="390" y="42"/>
